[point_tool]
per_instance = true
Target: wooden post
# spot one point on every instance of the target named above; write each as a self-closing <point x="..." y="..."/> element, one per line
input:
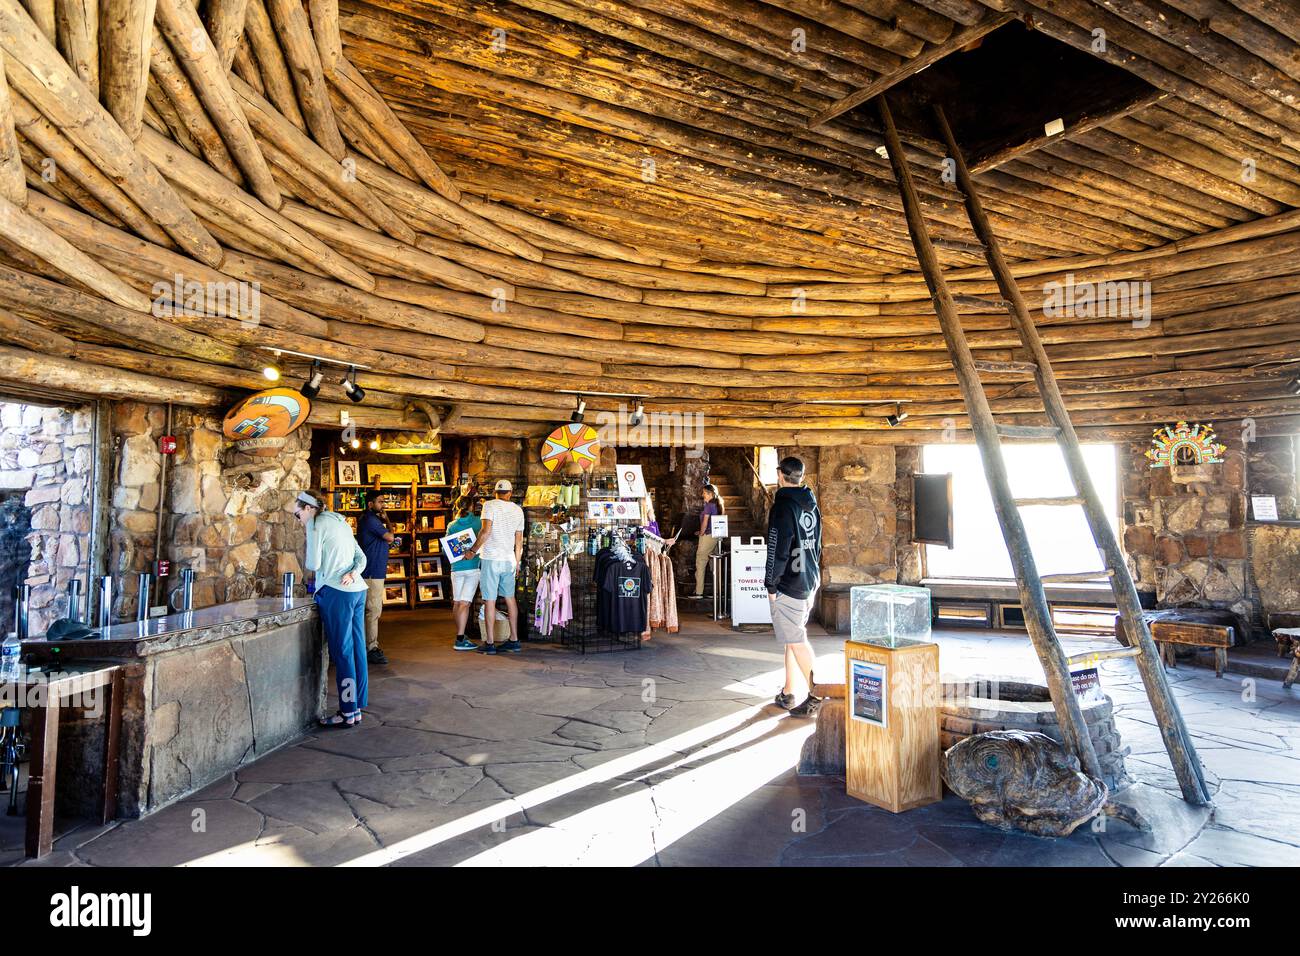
<point x="1038" y="618"/>
<point x="1182" y="753"/>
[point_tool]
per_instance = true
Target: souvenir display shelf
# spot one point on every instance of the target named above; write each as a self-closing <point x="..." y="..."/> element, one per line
<point x="419" y="514"/>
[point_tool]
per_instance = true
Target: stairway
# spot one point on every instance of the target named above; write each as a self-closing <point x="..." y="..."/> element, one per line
<point x="741" y="523"/>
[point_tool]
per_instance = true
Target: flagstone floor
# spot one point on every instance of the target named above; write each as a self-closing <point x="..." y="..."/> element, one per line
<point x="674" y="755"/>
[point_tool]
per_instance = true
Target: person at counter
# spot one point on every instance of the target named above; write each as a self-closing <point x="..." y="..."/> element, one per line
<point x="374" y="536"/>
<point x="338" y="561"/>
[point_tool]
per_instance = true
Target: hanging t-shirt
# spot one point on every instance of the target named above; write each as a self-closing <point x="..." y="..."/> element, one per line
<point x="627" y="587"/>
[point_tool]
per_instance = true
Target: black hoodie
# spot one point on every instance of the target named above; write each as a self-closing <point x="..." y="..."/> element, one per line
<point x="794" y="543"/>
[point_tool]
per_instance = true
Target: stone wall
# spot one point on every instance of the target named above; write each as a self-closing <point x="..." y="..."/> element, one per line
<point x="1189" y="536"/>
<point x="46" y="458"/>
<point x="856" y="491"/>
<point x="225" y="512"/>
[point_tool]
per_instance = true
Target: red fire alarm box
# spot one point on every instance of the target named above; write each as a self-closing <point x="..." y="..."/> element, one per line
<point x="163" y="568"/>
<point x="167" y="444"/>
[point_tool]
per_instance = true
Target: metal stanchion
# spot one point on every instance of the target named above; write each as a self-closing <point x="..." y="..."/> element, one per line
<point x="22" y="600"/>
<point x="74" y="600"/>
<point x="142" y="597"/>
<point x="105" y="601"/>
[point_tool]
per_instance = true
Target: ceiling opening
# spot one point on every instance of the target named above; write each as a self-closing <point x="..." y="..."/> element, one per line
<point x="1006" y="89"/>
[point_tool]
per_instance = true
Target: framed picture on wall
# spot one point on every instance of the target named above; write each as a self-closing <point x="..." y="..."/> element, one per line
<point x="429" y="591"/>
<point x="428" y="567"/>
<point x="349" y="472"/>
<point x="396" y="569"/>
<point x="434" y="473"/>
<point x="395" y="593"/>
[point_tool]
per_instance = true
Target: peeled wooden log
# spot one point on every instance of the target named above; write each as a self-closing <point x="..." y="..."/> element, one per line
<point x="179" y="22"/>
<point x="197" y="179"/>
<point x="193" y="118"/>
<point x="36" y="70"/>
<point x="125" y="35"/>
<point x="245" y="67"/>
<point x="138" y="259"/>
<point x="77" y="23"/>
<point x="537" y="226"/>
<point x="25" y="292"/>
<point x="335" y="300"/>
<point x="629" y="312"/>
<point x="523" y="271"/>
<point x="225" y="24"/>
<point x="483" y="224"/>
<point x="22" y="332"/>
<point x="13" y="183"/>
<point x="598" y="348"/>
<point x="42" y="12"/>
<point x="365" y="141"/>
<point x="33" y="235"/>
<point x="348" y="80"/>
<point x="271" y="126"/>
<point x="29" y="369"/>
<point x="270" y="59"/>
<point x="300" y="53"/>
<point x="408" y="260"/>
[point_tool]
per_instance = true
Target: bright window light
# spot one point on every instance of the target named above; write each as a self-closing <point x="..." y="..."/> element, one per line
<point x="1059" y="535"/>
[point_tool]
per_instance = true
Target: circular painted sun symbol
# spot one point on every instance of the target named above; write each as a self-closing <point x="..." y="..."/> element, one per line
<point x="571" y="442"/>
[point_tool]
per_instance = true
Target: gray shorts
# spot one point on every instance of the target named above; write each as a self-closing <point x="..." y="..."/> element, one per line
<point x="790" y="618"/>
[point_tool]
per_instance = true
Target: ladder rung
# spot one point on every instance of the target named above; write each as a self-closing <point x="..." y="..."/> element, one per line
<point x="1067" y="500"/>
<point x="1077" y="576"/>
<point x="1007" y="368"/>
<point x="1028" y="431"/>
<point x="1110" y="654"/>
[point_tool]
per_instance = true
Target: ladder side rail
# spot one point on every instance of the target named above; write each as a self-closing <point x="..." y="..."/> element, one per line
<point x="1177" y="740"/>
<point x="1033" y="600"/>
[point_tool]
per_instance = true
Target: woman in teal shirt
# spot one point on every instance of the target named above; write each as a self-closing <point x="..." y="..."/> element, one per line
<point x="464" y="573"/>
<point x="336" y="558"/>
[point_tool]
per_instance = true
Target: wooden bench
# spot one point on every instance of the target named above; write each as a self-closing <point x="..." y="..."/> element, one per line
<point x="1288" y="641"/>
<point x="1193" y="627"/>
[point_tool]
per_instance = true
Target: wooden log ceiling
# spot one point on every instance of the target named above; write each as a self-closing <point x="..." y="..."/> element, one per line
<point x="489" y="201"/>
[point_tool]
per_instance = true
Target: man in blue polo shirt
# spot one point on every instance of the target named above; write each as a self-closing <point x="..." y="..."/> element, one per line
<point x="374" y="537"/>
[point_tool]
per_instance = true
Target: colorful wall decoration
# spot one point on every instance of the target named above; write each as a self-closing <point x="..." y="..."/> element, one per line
<point x="1185" y="444"/>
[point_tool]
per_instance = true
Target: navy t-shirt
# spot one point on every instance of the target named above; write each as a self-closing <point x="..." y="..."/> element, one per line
<point x="370" y="535"/>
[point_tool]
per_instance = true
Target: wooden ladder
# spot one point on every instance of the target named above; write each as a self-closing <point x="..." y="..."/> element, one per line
<point x="988" y="433"/>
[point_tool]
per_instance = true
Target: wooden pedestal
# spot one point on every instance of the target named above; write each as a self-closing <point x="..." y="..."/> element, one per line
<point x="895" y="766"/>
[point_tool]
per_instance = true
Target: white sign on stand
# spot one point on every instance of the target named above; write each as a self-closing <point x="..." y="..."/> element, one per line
<point x="631" y="481"/>
<point x="749" y="603"/>
<point x="718" y="526"/>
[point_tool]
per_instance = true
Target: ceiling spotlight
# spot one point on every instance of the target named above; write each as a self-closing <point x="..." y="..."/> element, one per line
<point x="638" y="413"/>
<point x="356" y="443"/>
<point x="271" y="372"/>
<point x="897" y="418"/>
<point x="1294" y="385"/>
<point x="311" y="387"/>
<point x="350" y="387"/>
<point x="579" y="412"/>
<point x="374" y="444"/>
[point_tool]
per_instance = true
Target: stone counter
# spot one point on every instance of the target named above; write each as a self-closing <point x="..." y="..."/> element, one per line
<point x="206" y="692"/>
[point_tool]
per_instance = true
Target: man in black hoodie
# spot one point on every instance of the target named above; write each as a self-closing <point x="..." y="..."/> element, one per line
<point x="794" y="558"/>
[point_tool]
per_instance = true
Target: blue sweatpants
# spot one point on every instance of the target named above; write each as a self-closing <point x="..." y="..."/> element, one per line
<point x="343" y="615"/>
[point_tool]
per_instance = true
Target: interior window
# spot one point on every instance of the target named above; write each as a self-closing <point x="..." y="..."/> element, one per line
<point x="767" y="462"/>
<point x="1058" y="535"/>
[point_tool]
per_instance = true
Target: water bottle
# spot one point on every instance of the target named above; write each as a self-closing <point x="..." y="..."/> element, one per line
<point x="10" y="663"/>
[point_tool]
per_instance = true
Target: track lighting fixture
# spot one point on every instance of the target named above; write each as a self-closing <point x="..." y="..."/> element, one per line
<point x="356" y="443"/>
<point x="1294" y="386"/>
<point x="311" y="387"/>
<point x="271" y="372"/>
<point x="897" y="418"/>
<point x="580" y="412"/>
<point x="374" y="444"/>
<point x="350" y="387"/>
<point x="638" y="413"/>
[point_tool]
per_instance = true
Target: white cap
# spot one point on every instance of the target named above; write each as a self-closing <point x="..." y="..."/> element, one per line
<point x="503" y="485"/>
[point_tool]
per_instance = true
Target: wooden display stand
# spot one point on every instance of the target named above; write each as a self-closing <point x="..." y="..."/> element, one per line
<point x="895" y="766"/>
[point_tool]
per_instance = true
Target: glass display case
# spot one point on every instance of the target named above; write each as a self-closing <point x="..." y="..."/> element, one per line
<point x="891" y="615"/>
